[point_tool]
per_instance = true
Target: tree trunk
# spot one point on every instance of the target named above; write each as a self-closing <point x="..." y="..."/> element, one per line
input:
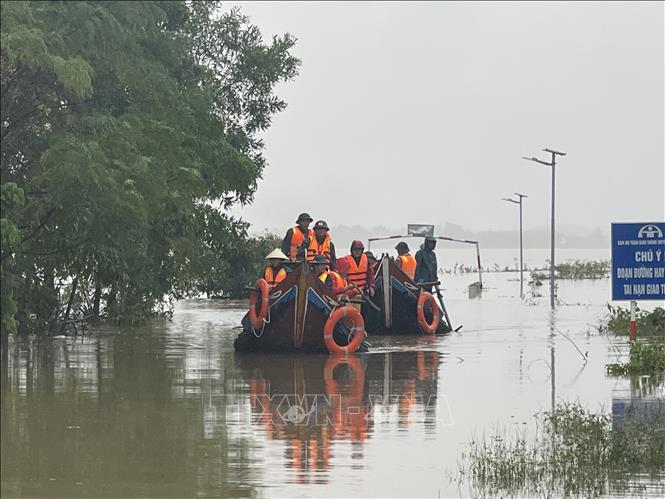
<point x="4" y="378"/>
<point x="111" y="302"/>
<point x="96" y="299"/>
<point x="72" y="294"/>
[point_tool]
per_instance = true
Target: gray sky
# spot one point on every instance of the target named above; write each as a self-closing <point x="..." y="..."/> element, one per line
<point x="420" y="112"/>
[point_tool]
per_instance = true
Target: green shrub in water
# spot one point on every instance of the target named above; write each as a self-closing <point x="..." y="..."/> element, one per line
<point x="573" y="452"/>
<point x="648" y="323"/>
<point x="645" y="358"/>
<point x="579" y="269"/>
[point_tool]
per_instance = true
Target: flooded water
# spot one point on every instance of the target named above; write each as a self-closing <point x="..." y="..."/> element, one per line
<point x="170" y="410"/>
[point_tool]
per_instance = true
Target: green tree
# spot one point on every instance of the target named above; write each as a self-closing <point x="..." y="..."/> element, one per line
<point x="128" y="130"/>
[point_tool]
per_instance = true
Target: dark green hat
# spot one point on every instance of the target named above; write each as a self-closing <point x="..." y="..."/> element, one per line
<point x="304" y="216"/>
<point x="321" y="224"/>
<point x="402" y="246"/>
<point x="430" y="238"/>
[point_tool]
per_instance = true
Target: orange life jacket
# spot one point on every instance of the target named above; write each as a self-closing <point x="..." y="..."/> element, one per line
<point x="297" y="238"/>
<point x="408" y="265"/>
<point x="272" y="278"/>
<point x="357" y="274"/>
<point x="339" y="281"/>
<point x="318" y="249"/>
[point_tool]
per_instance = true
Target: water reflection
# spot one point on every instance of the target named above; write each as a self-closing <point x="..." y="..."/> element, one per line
<point x="639" y="398"/>
<point x="103" y="416"/>
<point x="313" y="402"/>
<point x="171" y="412"/>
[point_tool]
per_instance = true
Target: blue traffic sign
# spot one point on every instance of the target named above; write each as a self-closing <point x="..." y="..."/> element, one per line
<point x="638" y="261"/>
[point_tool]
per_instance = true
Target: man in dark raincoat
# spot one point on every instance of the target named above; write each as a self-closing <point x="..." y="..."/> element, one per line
<point x="426" y="266"/>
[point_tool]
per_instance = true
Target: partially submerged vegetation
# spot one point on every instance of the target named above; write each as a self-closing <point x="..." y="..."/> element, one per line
<point x="645" y="358"/>
<point x="578" y="269"/>
<point x="649" y="322"/>
<point x="129" y="130"/>
<point x="572" y="452"/>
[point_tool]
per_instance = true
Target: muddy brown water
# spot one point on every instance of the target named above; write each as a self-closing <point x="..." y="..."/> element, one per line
<point x="169" y="410"/>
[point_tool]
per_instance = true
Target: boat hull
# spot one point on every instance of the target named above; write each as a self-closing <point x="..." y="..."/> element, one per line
<point x="396" y="297"/>
<point x="298" y="310"/>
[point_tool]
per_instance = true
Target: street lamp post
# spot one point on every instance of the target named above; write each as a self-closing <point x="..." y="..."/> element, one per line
<point x="551" y="163"/>
<point x="521" y="244"/>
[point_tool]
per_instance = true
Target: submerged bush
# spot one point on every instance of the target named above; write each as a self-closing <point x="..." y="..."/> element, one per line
<point x="648" y="323"/>
<point x="645" y="358"/>
<point x="573" y="452"/>
<point x="579" y="269"/>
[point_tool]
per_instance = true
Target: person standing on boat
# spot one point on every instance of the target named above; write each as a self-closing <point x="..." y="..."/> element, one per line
<point x="405" y="261"/>
<point x="321" y="244"/>
<point x="297" y="238"/>
<point x="275" y="272"/>
<point x="426" y="266"/>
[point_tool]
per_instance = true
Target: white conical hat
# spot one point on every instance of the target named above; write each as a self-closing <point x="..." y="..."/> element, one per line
<point x="277" y="254"/>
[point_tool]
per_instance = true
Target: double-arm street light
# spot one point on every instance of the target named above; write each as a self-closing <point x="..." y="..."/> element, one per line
<point x="551" y="163"/>
<point x="521" y="245"/>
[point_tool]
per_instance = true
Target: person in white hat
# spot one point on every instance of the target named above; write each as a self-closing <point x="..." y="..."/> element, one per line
<point x="274" y="272"/>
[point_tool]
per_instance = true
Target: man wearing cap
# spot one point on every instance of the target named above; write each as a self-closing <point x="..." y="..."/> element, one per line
<point x="274" y="272"/>
<point x="297" y="238"/>
<point x="426" y="266"/>
<point x="321" y="244"/>
<point x="404" y="260"/>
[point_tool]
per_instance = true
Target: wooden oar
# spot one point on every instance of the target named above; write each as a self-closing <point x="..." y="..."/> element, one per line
<point x="367" y="300"/>
<point x="443" y="307"/>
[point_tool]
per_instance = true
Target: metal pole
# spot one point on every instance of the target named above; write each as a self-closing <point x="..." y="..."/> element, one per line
<point x="480" y="269"/>
<point x="552" y="238"/>
<point x="520" y="197"/>
<point x="633" y="321"/>
<point x="551" y="164"/>
<point x="553" y="377"/>
<point x="521" y="255"/>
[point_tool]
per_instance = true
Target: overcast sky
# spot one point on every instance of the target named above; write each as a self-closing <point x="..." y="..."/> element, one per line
<point x="420" y="112"/>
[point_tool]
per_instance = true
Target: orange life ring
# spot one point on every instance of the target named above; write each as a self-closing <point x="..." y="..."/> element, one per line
<point x="332" y="387"/>
<point x="348" y="410"/>
<point x="426" y="327"/>
<point x="257" y="319"/>
<point x="347" y="312"/>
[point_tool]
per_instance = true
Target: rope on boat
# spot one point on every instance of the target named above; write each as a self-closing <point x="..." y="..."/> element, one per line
<point x="265" y="321"/>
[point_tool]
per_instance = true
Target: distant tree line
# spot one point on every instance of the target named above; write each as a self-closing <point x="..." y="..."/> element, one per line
<point x="128" y="130"/>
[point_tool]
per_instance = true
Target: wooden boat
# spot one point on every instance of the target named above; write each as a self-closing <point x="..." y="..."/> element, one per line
<point x="298" y="309"/>
<point x="396" y="298"/>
